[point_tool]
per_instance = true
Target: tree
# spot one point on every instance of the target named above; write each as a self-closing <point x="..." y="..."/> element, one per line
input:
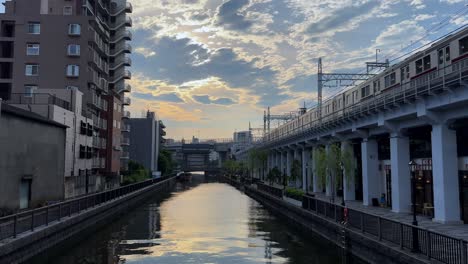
<point x="274" y="175"/>
<point x="349" y="164"/>
<point x="320" y="159"/>
<point x="333" y="163"/>
<point x="165" y="163"/>
<point x="295" y="171"/>
<point x="135" y="173"/>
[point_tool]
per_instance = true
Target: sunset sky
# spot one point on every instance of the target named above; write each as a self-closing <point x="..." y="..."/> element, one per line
<point x="208" y="67"/>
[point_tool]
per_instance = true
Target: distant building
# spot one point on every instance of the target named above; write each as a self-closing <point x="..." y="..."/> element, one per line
<point x="146" y="138"/>
<point x="32" y="159"/>
<point x="241" y="141"/>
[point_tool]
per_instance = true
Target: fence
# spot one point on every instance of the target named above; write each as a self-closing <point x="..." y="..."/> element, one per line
<point x="434" y="245"/>
<point x="12" y="225"/>
<point x="270" y="189"/>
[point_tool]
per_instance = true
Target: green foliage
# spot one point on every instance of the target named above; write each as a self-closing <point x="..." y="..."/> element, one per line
<point x="136" y="173"/>
<point x="349" y="164"/>
<point x="333" y="163"/>
<point x="231" y="167"/>
<point x="165" y="163"/>
<point x="257" y="159"/>
<point x="295" y="170"/>
<point x="294" y="193"/>
<point x="274" y="175"/>
<point x="320" y="169"/>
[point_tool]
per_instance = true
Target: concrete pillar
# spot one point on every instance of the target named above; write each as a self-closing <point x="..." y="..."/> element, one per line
<point x="445" y="174"/>
<point x="401" y="177"/>
<point x="328" y="180"/>
<point x="315" y="185"/>
<point x="282" y="162"/>
<point x="349" y="185"/>
<point x="305" y="169"/>
<point x="289" y="159"/>
<point x="370" y="167"/>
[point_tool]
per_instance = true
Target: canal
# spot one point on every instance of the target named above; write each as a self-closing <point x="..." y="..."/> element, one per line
<point x="201" y="221"/>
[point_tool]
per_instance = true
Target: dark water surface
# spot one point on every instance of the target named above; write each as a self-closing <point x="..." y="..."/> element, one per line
<point x="200" y="222"/>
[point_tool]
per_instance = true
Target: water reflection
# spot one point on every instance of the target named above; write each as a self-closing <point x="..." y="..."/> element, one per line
<point x="198" y="223"/>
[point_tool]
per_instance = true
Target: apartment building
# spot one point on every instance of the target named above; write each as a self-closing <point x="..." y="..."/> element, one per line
<point x="73" y="44"/>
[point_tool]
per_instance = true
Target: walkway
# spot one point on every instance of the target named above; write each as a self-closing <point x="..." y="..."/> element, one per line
<point x="454" y="230"/>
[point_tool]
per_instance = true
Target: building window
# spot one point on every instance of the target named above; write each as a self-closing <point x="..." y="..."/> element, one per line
<point x="463" y="45"/>
<point x="32" y="69"/>
<point x="29" y="90"/>
<point x="73" y="70"/>
<point x="74" y="29"/>
<point x="67" y="10"/>
<point x="34" y="28"/>
<point x="73" y="50"/>
<point x="82" y="152"/>
<point x="32" y="49"/>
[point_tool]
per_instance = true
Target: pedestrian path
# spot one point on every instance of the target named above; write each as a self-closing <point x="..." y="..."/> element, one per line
<point x="458" y="230"/>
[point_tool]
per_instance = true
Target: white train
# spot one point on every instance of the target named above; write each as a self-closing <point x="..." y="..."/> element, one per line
<point x="441" y="61"/>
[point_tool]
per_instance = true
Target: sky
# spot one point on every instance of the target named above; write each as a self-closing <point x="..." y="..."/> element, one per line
<point x="209" y="67"/>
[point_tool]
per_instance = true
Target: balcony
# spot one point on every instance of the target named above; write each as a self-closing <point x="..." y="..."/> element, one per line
<point x="128" y="7"/>
<point x="127" y="74"/>
<point x="127" y="88"/>
<point x="125" y="155"/>
<point x="125" y="141"/>
<point x="125" y="128"/>
<point x="120" y="62"/>
<point x="37" y="99"/>
<point x="128" y="21"/>
<point x="127" y="101"/>
<point x="126" y="35"/>
<point x="125" y="115"/>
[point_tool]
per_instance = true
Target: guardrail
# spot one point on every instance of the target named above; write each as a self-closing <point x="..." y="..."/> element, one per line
<point x="428" y="84"/>
<point x="12" y="225"/>
<point x="270" y="189"/>
<point x="434" y="245"/>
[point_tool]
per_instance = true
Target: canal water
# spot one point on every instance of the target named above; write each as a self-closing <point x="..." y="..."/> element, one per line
<point x="201" y="221"/>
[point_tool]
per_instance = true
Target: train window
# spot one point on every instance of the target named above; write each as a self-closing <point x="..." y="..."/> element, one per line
<point x="447" y="53"/>
<point x="390" y="79"/>
<point x="441" y="56"/>
<point x="376" y="86"/>
<point x="427" y="62"/>
<point x="407" y="72"/>
<point x="402" y="74"/>
<point x="463" y="45"/>
<point x="365" y="91"/>
<point x="347" y="99"/>
<point x="419" y="66"/>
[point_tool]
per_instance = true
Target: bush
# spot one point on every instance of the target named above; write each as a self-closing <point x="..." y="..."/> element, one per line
<point x="294" y="193"/>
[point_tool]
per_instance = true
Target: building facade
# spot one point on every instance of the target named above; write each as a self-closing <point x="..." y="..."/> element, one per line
<point x="73" y="44"/>
<point x="145" y="138"/>
<point x="32" y="159"/>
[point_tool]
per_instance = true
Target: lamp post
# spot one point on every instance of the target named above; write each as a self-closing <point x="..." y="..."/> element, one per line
<point x="342" y="184"/>
<point x="412" y="166"/>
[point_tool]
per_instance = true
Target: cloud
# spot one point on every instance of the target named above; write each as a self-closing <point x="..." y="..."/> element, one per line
<point x="168" y="97"/>
<point x="205" y="99"/>
<point x="423" y="17"/>
<point x="340" y="17"/>
<point x="145" y="52"/>
<point x="230" y="15"/>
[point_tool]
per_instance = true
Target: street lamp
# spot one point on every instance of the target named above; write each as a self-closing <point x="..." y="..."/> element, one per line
<point x="342" y="184"/>
<point x="412" y="166"/>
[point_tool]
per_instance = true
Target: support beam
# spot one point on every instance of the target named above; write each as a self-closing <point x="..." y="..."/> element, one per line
<point x="328" y="180"/>
<point x="305" y="168"/>
<point x="370" y="166"/>
<point x="315" y="185"/>
<point x="401" y="177"/>
<point x="349" y="185"/>
<point x="445" y="174"/>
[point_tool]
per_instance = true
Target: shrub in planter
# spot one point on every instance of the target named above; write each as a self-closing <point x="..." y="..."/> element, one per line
<point x="294" y="193"/>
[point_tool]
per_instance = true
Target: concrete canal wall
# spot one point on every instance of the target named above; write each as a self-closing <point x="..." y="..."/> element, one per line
<point x="30" y="244"/>
<point x="364" y="247"/>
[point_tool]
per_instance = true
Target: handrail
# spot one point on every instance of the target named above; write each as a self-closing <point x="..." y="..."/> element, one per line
<point x="411" y="90"/>
<point x="12" y="225"/>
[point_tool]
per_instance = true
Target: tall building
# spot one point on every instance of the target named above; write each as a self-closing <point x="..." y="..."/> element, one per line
<point x="146" y="136"/>
<point x="73" y="44"/>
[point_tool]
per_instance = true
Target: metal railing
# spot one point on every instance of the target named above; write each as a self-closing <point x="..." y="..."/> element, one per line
<point x="13" y="225"/>
<point x="432" y="244"/>
<point x="37" y="99"/>
<point x="270" y="189"/>
<point x="432" y="83"/>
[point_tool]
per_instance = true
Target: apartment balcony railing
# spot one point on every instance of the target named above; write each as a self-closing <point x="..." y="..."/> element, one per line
<point x="124" y="22"/>
<point x="128" y="7"/>
<point x="125" y="155"/>
<point x="37" y="99"/>
<point x="127" y="101"/>
<point x="120" y="48"/>
<point x="99" y="43"/>
<point x="126" y="114"/>
<point x="125" y="141"/>
<point x="127" y="74"/>
<point x="126" y="88"/>
<point x="125" y="34"/>
<point x="121" y="62"/>
<point x="125" y="128"/>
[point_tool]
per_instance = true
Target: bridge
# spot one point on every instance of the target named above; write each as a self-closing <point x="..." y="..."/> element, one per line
<point x="207" y="157"/>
